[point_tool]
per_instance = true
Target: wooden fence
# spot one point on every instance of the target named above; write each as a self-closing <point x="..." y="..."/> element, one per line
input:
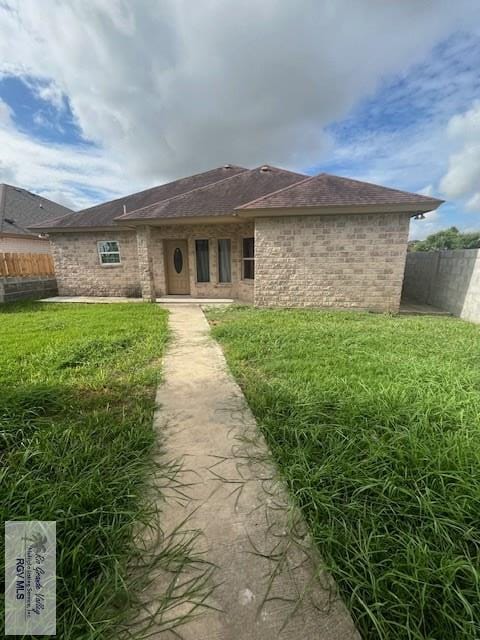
<point x="26" y="264"/>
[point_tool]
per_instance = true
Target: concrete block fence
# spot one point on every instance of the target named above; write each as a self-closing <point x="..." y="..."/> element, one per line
<point x="13" y="289"/>
<point x="449" y="280"/>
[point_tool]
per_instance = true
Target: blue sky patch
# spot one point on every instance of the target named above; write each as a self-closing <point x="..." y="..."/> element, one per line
<point x="37" y="116"/>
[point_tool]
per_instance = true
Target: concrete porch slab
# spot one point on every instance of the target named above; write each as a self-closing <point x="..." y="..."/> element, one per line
<point x="410" y="307"/>
<point x="193" y="300"/>
<point x="91" y="299"/>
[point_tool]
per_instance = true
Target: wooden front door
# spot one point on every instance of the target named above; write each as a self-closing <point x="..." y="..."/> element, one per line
<point x="176" y="264"/>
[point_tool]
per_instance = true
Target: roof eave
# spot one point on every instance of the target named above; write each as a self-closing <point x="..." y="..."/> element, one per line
<point x="26" y="236"/>
<point x="84" y="229"/>
<point x="194" y="219"/>
<point x="411" y="208"/>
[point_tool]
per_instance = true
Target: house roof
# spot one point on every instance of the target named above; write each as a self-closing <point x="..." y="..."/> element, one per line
<point x="232" y="190"/>
<point x="220" y="198"/>
<point x="327" y="190"/>
<point x="103" y="215"/>
<point x="20" y="209"/>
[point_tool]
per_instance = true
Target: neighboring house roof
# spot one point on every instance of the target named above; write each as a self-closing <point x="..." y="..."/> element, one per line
<point x="326" y="190"/>
<point x="220" y="198"/>
<point x="232" y="190"/>
<point x="20" y="209"/>
<point x="103" y="215"/>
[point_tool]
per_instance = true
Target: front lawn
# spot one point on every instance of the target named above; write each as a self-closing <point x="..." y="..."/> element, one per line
<point x="77" y="385"/>
<point x="374" y="422"/>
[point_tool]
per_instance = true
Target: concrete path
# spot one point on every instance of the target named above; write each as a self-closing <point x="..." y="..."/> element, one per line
<point x="265" y="582"/>
<point x="410" y="307"/>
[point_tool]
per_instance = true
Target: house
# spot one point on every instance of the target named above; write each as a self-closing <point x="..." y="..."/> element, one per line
<point x="265" y="236"/>
<point x="19" y="209"/>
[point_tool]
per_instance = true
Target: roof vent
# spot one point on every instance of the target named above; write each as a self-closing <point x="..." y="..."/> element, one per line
<point x="227" y="166"/>
<point x="265" y="168"/>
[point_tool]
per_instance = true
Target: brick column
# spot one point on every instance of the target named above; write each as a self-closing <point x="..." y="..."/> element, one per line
<point x="145" y="264"/>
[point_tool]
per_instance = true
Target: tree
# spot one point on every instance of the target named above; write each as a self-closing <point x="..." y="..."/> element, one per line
<point x="447" y="239"/>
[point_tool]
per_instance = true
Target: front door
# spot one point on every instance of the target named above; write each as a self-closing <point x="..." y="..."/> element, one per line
<point x="176" y="262"/>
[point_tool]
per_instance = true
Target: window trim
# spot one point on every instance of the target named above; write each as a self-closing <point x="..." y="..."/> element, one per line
<point x="226" y="282"/>
<point x="197" y="281"/>
<point x="245" y="259"/>
<point x="109" y="253"/>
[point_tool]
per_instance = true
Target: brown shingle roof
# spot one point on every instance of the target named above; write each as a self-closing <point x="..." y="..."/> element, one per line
<point x="220" y="198"/>
<point x="328" y="190"/>
<point x="103" y="215"/>
<point x="223" y="190"/>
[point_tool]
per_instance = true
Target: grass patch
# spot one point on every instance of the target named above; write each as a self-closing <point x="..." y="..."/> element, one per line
<point x="374" y="422"/>
<point x="77" y="385"/>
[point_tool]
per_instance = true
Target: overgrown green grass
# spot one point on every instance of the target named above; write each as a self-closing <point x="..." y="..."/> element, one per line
<point x="374" y="422"/>
<point x="77" y="386"/>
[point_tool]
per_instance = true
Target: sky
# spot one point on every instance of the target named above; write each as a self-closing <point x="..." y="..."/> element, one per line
<point x="102" y="98"/>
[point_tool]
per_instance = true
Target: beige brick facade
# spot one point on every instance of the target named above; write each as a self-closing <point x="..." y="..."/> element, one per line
<point x="341" y="261"/>
<point x="238" y="289"/>
<point x="78" y="268"/>
<point x="142" y="268"/>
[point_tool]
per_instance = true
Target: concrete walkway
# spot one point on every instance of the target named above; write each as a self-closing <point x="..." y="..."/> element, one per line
<point x="412" y="308"/>
<point x="266" y="583"/>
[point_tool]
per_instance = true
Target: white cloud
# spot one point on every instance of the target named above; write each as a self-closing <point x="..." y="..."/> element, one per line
<point x="58" y="171"/>
<point x="462" y="180"/>
<point x="429" y="191"/>
<point x="172" y="87"/>
<point x="5" y="114"/>
<point x="420" y="229"/>
<point x="473" y="204"/>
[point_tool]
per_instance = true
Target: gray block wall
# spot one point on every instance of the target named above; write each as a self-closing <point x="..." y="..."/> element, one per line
<point x="15" y="288"/>
<point x="449" y="280"/>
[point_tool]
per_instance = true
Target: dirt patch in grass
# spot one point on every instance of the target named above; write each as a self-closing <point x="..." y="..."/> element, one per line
<point x="374" y="422"/>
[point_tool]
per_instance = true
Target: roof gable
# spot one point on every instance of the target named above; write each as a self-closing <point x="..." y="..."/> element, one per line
<point x="326" y="190"/>
<point x="220" y="198"/>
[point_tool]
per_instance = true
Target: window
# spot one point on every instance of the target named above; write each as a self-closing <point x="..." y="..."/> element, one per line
<point x="109" y="252"/>
<point x="203" y="262"/>
<point x="224" y="261"/>
<point x="248" y="258"/>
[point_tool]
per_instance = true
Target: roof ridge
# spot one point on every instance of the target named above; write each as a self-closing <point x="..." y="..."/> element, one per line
<point x="272" y="193"/>
<point x="271" y="166"/>
<point x="181" y="195"/>
<point x="130" y="195"/>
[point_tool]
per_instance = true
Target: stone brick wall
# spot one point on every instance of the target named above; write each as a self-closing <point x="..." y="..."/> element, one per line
<point x="78" y="268"/>
<point x="237" y="289"/>
<point x="79" y="271"/>
<point x="341" y="261"/>
<point x="449" y="280"/>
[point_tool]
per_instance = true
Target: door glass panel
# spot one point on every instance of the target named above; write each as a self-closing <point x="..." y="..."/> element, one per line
<point x="178" y="260"/>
